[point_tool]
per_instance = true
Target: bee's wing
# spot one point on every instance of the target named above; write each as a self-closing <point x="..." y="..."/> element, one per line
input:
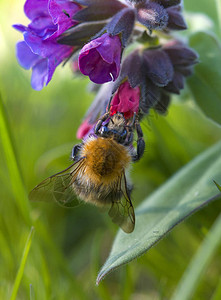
<point x="58" y="187"/>
<point x="122" y="211"/>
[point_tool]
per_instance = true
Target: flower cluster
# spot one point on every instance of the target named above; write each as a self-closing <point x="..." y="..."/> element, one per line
<point x="40" y="50"/>
<point x="98" y="31"/>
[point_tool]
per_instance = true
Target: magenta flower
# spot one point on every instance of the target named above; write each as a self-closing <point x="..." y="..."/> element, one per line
<point x="100" y="58"/>
<point x="84" y="128"/>
<point x="40" y="50"/>
<point x="126" y="100"/>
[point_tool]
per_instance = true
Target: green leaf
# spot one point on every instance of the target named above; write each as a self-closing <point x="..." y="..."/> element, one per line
<point x="217" y="185"/>
<point x="185" y="193"/>
<point x="22" y="265"/>
<point x="205" y="83"/>
<point x="209" y="8"/>
<point x="217" y="293"/>
<point x="14" y="170"/>
<point x="200" y="261"/>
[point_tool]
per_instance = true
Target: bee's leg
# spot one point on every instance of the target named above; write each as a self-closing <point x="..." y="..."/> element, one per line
<point x="75" y="152"/>
<point x="140" y="143"/>
<point x="130" y="137"/>
<point x="100" y="121"/>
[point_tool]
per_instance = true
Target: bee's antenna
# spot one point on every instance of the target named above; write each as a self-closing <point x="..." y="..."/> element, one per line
<point x="109" y="104"/>
<point x="111" y="120"/>
<point x="133" y="120"/>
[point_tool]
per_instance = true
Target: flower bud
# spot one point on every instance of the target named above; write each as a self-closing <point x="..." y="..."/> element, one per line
<point x="167" y="3"/>
<point x="158" y="66"/>
<point x="152" y="15"/>
<point x="157" y="72"/>
<point x="176" y="20"/>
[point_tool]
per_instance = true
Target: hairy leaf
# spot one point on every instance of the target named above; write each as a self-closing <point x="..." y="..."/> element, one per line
<point x="185" y="193"/>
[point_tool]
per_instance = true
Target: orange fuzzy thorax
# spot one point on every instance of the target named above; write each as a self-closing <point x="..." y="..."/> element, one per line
<point x="105" y="160"/>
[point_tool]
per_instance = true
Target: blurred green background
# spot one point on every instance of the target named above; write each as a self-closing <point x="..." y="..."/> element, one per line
<point x="69" y="246"/>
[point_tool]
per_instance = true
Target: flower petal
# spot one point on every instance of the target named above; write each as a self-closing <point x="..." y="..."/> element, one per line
<point x="100" y="59"/>
<point x="62" y="12"/>
<point x="84" y="128"/>
<point x="39" y="74"/>
<point x="36" y="8"/>
<point x="158" y="66"/>
<point x="152" y="15"/>
<point x="126" y="100"/>
<point x="26" y="58"/>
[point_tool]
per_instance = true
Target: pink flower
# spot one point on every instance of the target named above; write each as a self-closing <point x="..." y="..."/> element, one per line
<point x="126" y="100"/>
<point x="84" y="128"/>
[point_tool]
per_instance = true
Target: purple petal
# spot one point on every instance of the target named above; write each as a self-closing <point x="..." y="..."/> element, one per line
<point x="36" y="8"/>
<point x="152" y="15"/>
<point x="93" y="66"/>
<point x="180" y="54"/>
<point x="122" y="23"/>
<point x="88" y="61"/>
<point x="176" y="84"/>
<point x="42" y="27"/>
<point x="158" y="66"/>
<point x="39" y="75"/>
<point x="185" y="71"/>
<point x="55" y="53"/>
<point x="62" y="12"/>
<point x="110" y="49"/>
<point x="20" y="27"/>
<point x="100" y="58"/>
<point x="176" y="20"/>
<point x="61" y="53"/>
<point x="168" y="3"/>
<point x="46" y="48"/>
<point x="101" y="73"/>
<point x="26" y="58"/>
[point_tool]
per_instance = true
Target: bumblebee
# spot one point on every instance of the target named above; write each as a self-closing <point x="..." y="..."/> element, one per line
<point x="97" y="175"/>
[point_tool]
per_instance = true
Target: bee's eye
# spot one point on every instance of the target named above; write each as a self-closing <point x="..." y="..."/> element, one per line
<point x="104" y="130"/>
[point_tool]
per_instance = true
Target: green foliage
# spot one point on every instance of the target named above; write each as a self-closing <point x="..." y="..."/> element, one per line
<point x="62" y="259"/>
<point x="205" y="84"/>
<point x="199" y="263"/>
<point x="185" y="193"/>
<point x="22" y="265"/>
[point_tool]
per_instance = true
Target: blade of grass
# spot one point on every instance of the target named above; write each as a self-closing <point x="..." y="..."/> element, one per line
<point x="101" y="290"/>
<point x="22" y="265"/>
<point x="217" y="293"/>
<point x="191" y="277"/>
<point x="61" y="261"/>
<point x="13" y="167"/>
<point x="218" y="9"/>
<point x="127" y="283"/>
<point x="32" y="295"/>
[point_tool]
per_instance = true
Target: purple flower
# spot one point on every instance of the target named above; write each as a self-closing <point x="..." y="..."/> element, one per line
<point x="158" y="72"/>
<point x="100" y="58"/>
<point x="40" y="50"/>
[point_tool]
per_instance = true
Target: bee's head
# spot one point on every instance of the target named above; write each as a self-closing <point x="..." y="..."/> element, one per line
<point x="115" y="127"/>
